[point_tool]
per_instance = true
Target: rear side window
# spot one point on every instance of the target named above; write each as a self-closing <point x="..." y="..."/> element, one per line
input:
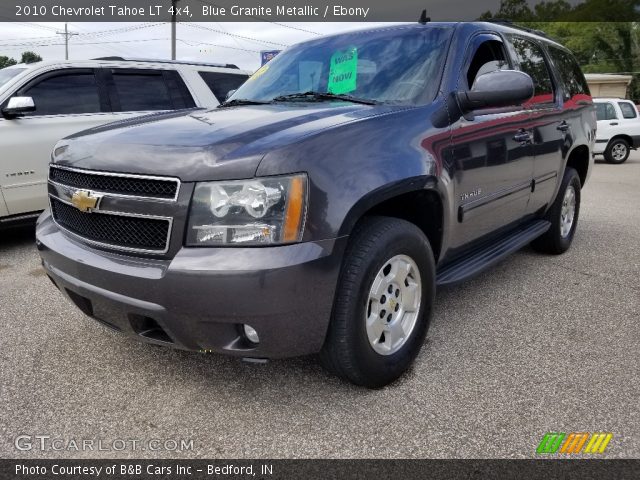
<point x="222" y="83"/>
<point x="605" y="111"/>
<point x="65" y="94"/>
<point x="572" y="77"/>
<point x="628" y="110"/>
<point x="141" y="90"/>
<point x="531" y="60"/>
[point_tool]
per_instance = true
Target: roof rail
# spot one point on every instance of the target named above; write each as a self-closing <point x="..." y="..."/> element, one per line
<point x="510" y="23"/>
<point x="179" y="62"/>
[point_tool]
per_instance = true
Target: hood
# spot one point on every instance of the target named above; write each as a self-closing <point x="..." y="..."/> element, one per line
<point x="198" y="145"/>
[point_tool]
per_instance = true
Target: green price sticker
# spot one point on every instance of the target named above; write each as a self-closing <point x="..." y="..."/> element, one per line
<point x="343" y="71"/>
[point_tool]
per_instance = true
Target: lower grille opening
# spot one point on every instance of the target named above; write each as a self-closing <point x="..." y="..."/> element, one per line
<point x="149" y="328"/>
<point x="81" y="302"/>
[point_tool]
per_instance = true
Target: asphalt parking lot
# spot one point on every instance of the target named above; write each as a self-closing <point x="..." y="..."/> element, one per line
<point x="537" y="344"/>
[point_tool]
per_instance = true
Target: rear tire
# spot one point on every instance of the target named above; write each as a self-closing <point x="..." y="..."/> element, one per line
<point x="383" y="303"/>
<point x="563" y="216"/>
<point x="617" y="151"/>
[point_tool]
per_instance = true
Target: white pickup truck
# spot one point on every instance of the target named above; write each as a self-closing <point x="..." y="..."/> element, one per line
<point x="41" y="103"/>
<point x="618" y="129"/>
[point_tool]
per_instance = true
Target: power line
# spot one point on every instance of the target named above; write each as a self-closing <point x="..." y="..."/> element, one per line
<point x="35" y="25"/>
<point x="129" y="28"/>
<point x="111" y="49"/>
<point x="25" y="39"/>
<point x="296" y="28"/>
<point x="195" y="44"/>
<point x="202" y="27"/>
<point x="16" y="46"/>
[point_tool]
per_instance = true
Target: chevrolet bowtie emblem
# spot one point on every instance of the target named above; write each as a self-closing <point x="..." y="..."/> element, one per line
<point x="84" y="201"/>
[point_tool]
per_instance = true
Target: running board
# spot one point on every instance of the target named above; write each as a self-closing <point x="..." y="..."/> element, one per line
<point x="27" y="217"/>
<point x="482" y="258"/>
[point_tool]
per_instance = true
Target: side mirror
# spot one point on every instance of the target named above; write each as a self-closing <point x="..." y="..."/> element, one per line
<point x="18" y="106"/>
<point x="501" y="88"/>
<point x="229" y="94"/>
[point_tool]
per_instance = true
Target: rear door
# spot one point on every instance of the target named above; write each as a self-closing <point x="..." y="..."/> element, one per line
<point x="629" y="121"/>
<point x="138" y="91"/>
<point x="67" y="101"/>
<point x="608" y="123"/>
<point x="548" y="120"/>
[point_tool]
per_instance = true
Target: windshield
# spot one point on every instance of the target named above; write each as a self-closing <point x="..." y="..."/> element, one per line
<point x="387" y="66"/>
<point x="7" y="74"/>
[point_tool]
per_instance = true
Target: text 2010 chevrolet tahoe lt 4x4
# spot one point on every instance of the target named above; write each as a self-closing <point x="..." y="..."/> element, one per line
<point x="320" y="206"/>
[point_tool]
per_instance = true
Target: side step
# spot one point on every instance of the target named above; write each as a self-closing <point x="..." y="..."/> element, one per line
<point x="17" y="220"/>
<point x="484" y="257"/>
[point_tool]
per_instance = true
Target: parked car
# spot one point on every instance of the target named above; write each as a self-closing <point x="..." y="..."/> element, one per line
<point x="317" y="210"/>
<point x="46" y="101"/>
<point x="618" y="129"/>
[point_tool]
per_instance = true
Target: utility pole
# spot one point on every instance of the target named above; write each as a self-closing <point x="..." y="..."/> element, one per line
<point x="66" y="34"/>
<point x="173" y="29"/>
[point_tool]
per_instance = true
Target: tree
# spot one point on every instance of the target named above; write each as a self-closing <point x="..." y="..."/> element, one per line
<point x="30" y="57"/>
<point x="592" y="30"/>
<point x="6" y="62"/>
<point x="511" y="10"/>
<point x="551" y="11"/>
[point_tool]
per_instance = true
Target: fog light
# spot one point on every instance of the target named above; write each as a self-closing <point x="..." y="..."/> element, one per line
<point x="251" y="334"/>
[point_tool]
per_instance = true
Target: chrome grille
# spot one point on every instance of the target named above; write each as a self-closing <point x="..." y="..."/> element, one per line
<point x="113" y="230"/>
<point x="119" y="184"/>
<point x="132" y="213"/>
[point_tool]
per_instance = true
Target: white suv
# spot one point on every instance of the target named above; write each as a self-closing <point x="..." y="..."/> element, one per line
<point x="46" y="101"/>
<point x="618" y="128"/>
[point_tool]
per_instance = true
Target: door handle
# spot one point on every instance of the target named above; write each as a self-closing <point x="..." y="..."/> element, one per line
<point x="563" y="127"/>
<point x="522" y="137"/>
<point x="613" y="123"/>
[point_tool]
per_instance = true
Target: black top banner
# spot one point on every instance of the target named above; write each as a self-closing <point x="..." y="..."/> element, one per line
<point x="315" y="10"/>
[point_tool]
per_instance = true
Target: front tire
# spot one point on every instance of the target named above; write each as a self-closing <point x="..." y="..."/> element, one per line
<point x="617" y="151"/>
<point x="563" y="216"/>
<point x="383" y="303"/>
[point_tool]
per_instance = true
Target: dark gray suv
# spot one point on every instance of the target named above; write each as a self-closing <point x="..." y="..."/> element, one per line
<point x="317" y="210"/>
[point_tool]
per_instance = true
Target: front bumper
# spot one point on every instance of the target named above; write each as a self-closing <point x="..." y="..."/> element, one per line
<point x="200" y="299"/>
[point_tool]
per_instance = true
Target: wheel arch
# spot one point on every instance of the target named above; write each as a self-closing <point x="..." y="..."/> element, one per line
<point x="417" y="201"/>
<point x="580" y="159"/>
<point x="623" y="136"/>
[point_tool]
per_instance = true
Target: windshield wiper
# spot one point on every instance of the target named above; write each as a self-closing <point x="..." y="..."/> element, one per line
<point x="241" y="101"/>
<point x="319" y="96"/>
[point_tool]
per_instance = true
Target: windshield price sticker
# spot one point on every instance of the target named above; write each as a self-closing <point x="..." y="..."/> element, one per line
<point x="258" y="73"/>
<point x="343" y="71"/>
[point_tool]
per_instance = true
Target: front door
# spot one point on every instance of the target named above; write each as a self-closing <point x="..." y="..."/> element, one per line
<point x="66" y="102"/>
<point x="491" y="155"/>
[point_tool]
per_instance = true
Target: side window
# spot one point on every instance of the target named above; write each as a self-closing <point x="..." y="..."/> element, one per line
<point x="628" y="110"/>
<point x="605" y="111"/>
<point x="221" y="84"/>
<point x="488" y="57"/>
<point x="531" y="60"/>
<point x="64" y="94"/>
<point x="572" y="77"/>
<point x="141" y="90"/>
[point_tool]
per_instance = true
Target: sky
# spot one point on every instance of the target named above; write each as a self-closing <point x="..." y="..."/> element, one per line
<point x="238" y="43"/>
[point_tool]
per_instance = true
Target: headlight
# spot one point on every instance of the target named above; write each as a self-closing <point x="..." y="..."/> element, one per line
<point x="260" y="211"/>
